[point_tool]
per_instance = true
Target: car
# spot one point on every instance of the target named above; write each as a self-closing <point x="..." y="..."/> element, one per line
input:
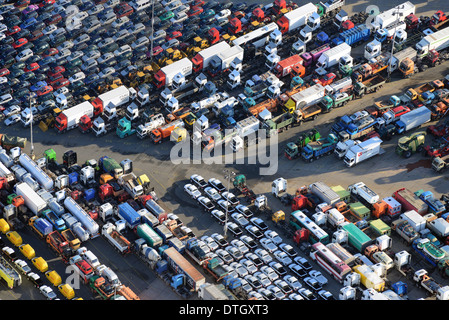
<point x="254" y="231"/>
<point x="359" y="115"/>
<point x="192" y="191"/>
<point x="222" y="15"/>
<point x="239" y="268"/>
<point x="263" y="255"/>
<point x="303" y="263"/>
<point x="219" y="215"/>
<point x="282" y="257"/>
<point x="173" y="43"/>
<point x="293" y="282"/>
<point x="234" y="228"/>
<point x="270" y="272"/>
<point x="79" y="76"/>
<point x="210" y="242"/>
<point x="49" y="29"/>
<point x="19" y="43"/>
<point x="231" y="198"/>
<point x="317" y="275"/>
<point x="258" y="222"/>
<point x="231" y="272"/>
<point x="273" y="236"/>
<point x="254" y="258"/>
<point x="249" y="265"/>
<point x="240" y="219"/>
<point x="267" y="294"/>
<point x="288" y="249"/>
<point x="263" y="279"/>
<point x="106" y="72"/>
<point x="198" y="180"/>
<point x="295" y="296"/>
<point x="45" y="90"/>
<point x="325" y="295"/>
<point x="207" y="205"/>
<point x="203" y="246"/>
<point x="141" y="41"/>
<point x="194" y="11"/>
<point x="12" y="110"/>
<point x="226" y="206"/>
<point x="93" y="54"/>
<point x="38" y="86"/>
<point x="313" y="283"/>
<point x="244" y="210"/>
<point x="22" y="266"/>
<point x="224" y="255"/>
<point x="4" y="72"/>
<point x="213" y="194"/>
<point x="298" y="270"/>
<point x="253" y="281"/>
<point x="277" y="292"/>
<point x="268" y="245"/>
<point x="240" y="245"/>
<point x="278" y="268"/>
<point x="307" y="294"/>
<point x="119" y="22"/>
<point x="47" y="292"/>
<point x="249" y="242"/>
<point x="222" y="242"/>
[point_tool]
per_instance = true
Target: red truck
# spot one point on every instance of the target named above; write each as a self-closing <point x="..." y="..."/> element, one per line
<point x="284" y="67"/>
<point x="59" y="244"/>
<point x="410" y="201"/>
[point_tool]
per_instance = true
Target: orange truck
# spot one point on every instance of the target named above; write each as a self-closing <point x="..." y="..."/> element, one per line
<point x="269" y="104"/>
<point x="164" y="132"/>
<point x="284" y="67"/>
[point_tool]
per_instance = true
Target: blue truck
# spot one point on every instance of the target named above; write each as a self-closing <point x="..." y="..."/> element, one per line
<point x="353" y="36"/>
<point x="357" y="129"/>
<point x="127" y="213"/>
<point x="57" y="222"/>
<point x="41" y="225"/>
<point x="316" y="149"/>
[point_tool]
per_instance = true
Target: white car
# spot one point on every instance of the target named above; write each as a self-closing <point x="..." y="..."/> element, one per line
<point x="240" y="219"/>
<point x="198" y="181"/>
<point x="105" y="57"/>
<point x="224" y="255"/>
<point x="313" y="283"/>
<point x="222" y="242"/>
<point x="295" y="296"/>
<point x="231" y="198"/>
<point x="303" y="263"/>
<point x="288" y="249"/>
<point x="293" y="282"/>
<point x="273" y="236"/>
<point x="217" y="184"/>
<point x="318" y="276"/>
<point x="222" y="15"/>
<point x="49" y="29"/>
<point x="254" y="231"/>
<point x="359" y="115"/>
<point x="75" y="55"/>
<point x="240" y="245"/>
<point x="77" y="77"/>
<point x="219" y="215"/>
<point x="253" y="281"/>
<point x="119" y="22"/>
<point x="249" y="265"/>
<point x="263" y="279"/>
<point x="95" y="10"/>
<point x="81" y="15"/>
<point x="249" y="242"/>
<point x="278" y="268"/>
<point x="47" y="292"/>
<point x="213" y="194"/>
<point x="325" y="295"/>
<point x="276" y="291"/>
<point x="12" y="110"/>
<point x="234" y="252"/>
<point x="269" y="271"/>
<point x="268" y="245"/>
<point x="225" y="205"/>
<point x="282" y="257"/>
<point x="106" y="72"/>
<point x="306" y="294"/>
<point x="22" y="266"/>
<point x="142" y="41"/>
<point x="12" y="119"/>
<point x="255" y="259"/>
<point x="256" y="295"/>
<point x="258" y="222"/>
<point x="244" y="210"/>
<point x="239" y="268"/>
<point x="203" y="246"/>
<point x="107" y="41"/>
<point x="231" y="272"/>
<point x="211" y="243"/>
<point x="207" y="205"/>
<point x="263" y="255"/>
<point x="93" y="54"/>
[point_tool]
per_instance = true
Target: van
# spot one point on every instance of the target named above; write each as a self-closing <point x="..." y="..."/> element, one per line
<point x="140" y="4"/>
<point x="67" y="291"/>
<point x="27" y="251"/>
<point x="40" y="264"/>
<point x="4" y="226"/>
<point x="89" y="257"/>
<point x="53" y="277"/>
<point x="382" y="257"/>
<point x="14" y="237"/>
<point x="24" y="55"/>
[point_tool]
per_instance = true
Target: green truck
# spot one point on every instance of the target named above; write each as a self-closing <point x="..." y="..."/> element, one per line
<point x="214" y="267"/>
<point x="360" y="210"/>
<point x="335" y="100"/>
<point x="356" y="237"/>
<point x="109" y="165"/>
<point x="279" y="123"/>
<point x="293" y="149"/>
<point x="149" y="235"/>
<point x="124" y="128"/>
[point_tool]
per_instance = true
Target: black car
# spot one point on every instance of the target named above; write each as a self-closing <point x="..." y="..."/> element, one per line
<point x="128" y="39"/>
<point x="15" y="73"/>
<point x="21" y="85"/>
<point x="138" y="56"/>
<point x="34" y="58"/>
<point x="211" y="5"/>
<point x="225" y="5"/>
<point x="56" y="41"/>
<point x="7" y="40"/>
<point x="7" y="61"/>
<point x="37" y="26"/>
<point x="23" y="33"/>
<point x="110" y="47"/>
<point x="241" y="6"/>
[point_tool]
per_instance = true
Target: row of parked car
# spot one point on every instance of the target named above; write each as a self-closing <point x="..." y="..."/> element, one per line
<point x="268" y="267"/>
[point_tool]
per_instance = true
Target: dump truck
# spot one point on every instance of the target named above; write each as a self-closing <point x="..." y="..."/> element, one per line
<point x="70" y="237"/>
<point x="109" y="231"/>
<point x="293" y="149"/>
<point x="8" y="142"/>
<point x="160" y="134"/>
<point x="111" y="166"/>
<point x="316" y="149"/>
<point x="369" y="85"/>
<point x="59" y="244"/>
<point x="405" y="230"/>
<point x="98" y="285"/>
<point x="213" y="267"/>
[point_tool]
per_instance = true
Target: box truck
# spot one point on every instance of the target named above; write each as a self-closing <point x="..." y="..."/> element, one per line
<point x="332" y="56"/>
<point x="362" y="151"/>
<point x="165" y="75"/>
<point x="296" y="18"/>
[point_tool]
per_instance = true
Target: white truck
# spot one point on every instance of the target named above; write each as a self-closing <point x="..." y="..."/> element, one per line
<point x="305" y="98"/>
<point x="109" y="231"/>
<point x="343" y="146"/>
<point x="324" y="192"/>
<point x="415" y="219"/>
<point x="208" y="102"/>
<point x="332" y="56"/>
<point x="202" y="59"/>
<point x="209" y="291"/>
<point x="246" y="133"/>
<point x="296" y="18"/>
<point x="87" y="222"/>
<point x="361" y="190"/>
<point x="334" y="217"/>
<point x="155" y="121"/>
<point x="436" y="41"/>
<point x="112" y="99"/>
<point x="223" y="60"/>
<point x="415" y="118"/>
<point x="362" y="151"/>
<point x="129" y="183"/>
<point x="165" y="75"/>
<point x="30" y="165"/>
<point x="439" y="226"/>
<point x="33" y="201"/>
<point x="393" y="15"/>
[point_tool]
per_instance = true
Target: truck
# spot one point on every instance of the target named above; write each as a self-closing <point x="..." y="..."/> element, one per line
<point x="148" y="254"/>
<point x="70" y="237"/>
<point x="423" y="280"/>
<point x="284" y="67"/>
<point x="195" y="251"/>
<point x="356" y="237"/>
<point x="440" y="227"/>
<point x="310" y="58"/>
<point x="150" y="236"/>
<point x="434" y="205"/>
<point x="410" y="144"/>
<point x="164" y="77"/>
<point x="173" y="226"/>
<point x="363" y="193"/>
<point x="332" y="56"/>
<point x="9" y="274"/>
<point x="369" y="278"/>
<point x="369" y="85"/>
<point x="110" y="166"/>
<point x="210" y="291"/>
<point x="41" y="226"/>
<point x="124" y="128"/>
<point x="343" y="146"/>
<point x="296" y="18"/>
<point x="223" y="60"/>
<point x="30" y="165"/>
<point x="130" y="184"/>
<point x="246" y="133"/>
<point x="127" y="213"/>
<point x="160" y="134"/>
<point x="324" y="193"/>
<point x="154" y="122"/>
<point x="330" y="7"/>
<point x="306" y="97"/>
<point x="213" y="267"/>
<point x="33" y="201"/>
<point x="58" y="243"/>
<point x="155" y="208"/>
<point x="413" y="119"/>
<point x="362" y="151"/>
<point x="440" y="163"/>
<point x="409" y="201"/>
<point x="68" y="119"/>
<point x="429" y="251"/>
<point x="98" y="285"/>
<point x="353" y="36"/>
<point x="102" y="126"/>
<point x="176" y="261"/>
<point x="380" y="107"/>
<point x="393" y="15"/>
<point x="438" y="41"/>
<point x="109" y="231"/>
<point x="87" y="222"/>
<point x="316" y="149"/>
<point x="412" y="94"/>
<point x="202" y="59"/>
<point x="108" y="102"/>
<point x="268" y="104"/>
<point x="405" y="230"/>
<point x="163" y="232"/>
<point x="279" y="123"/>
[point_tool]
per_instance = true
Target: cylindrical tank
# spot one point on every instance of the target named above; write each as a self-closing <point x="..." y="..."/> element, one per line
<point x="56" y="207"/>
<point x="151" y="254"/>
<point x="87" y="222"/>
<point x="31" y="166"/>
<point x="5" y="159"/>
<point x="80" y="232"/>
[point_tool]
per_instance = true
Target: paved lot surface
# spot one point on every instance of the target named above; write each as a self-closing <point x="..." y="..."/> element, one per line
<point x="384" y="174"/>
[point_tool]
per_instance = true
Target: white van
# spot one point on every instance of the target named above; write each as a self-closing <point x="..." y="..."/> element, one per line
<point x="24" y="55"/>
<point x="140" y="4"/>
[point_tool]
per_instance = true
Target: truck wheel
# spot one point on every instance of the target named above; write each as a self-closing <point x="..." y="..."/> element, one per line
<point x="311" y="160"/>
<point x="407" y="154"/>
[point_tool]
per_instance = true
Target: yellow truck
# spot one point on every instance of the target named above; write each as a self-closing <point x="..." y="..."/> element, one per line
<point x="40" y="264"/>
<point x="67" y="291"/>
<point x="4" y="226"/>
<point x="27" y="251"/>
<point x="53" y="277"/>
<point x="14" y="237"/>
<point x="369" y="278"/>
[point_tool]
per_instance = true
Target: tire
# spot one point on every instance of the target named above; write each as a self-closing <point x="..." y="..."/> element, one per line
<point x="407" y="154"/>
